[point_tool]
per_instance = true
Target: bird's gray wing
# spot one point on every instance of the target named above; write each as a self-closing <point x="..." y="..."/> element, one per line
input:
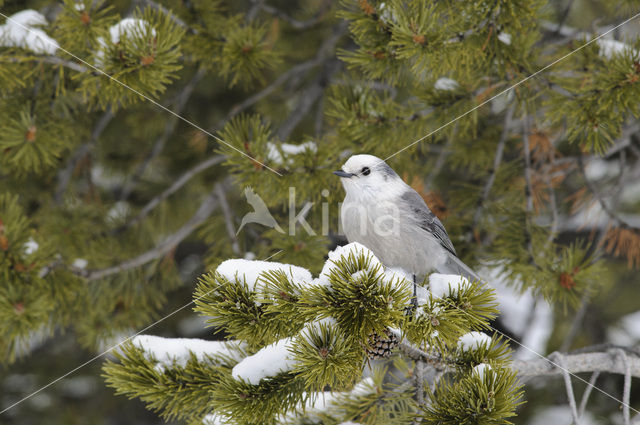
<point x="426" y="219"/>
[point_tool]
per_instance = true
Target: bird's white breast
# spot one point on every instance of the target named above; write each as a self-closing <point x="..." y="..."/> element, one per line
<point x="380" y="224"/>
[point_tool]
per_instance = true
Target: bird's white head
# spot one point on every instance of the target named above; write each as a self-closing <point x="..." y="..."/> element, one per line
<point x="364" y="175"/>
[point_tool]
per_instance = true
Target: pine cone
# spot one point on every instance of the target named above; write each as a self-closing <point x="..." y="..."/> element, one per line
<point x="380" y="346"/>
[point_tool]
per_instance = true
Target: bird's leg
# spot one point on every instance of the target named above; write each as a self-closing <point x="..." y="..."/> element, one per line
<point x="414" y="300"/>
<point x="409" y="310"/>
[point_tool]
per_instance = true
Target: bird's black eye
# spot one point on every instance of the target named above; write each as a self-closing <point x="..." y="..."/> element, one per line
<point x="365" y="171"/>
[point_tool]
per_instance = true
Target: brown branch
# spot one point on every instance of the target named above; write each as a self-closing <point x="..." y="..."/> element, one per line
<point x="180" y="181"/>
<point x="204" y="211"/>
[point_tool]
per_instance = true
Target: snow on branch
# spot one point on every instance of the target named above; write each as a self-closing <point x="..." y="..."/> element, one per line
<point x="177" y="351"/>
<point x="251" y="270"/>
<point x="21" y="30"/>
<point x="269" y="361"/>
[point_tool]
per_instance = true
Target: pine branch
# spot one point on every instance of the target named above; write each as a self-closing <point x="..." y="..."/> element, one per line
<point x="180" y="103"/>
<point x="576" y="363"/>
<point x="206" y="208"/>
<point x="180" y="181"/>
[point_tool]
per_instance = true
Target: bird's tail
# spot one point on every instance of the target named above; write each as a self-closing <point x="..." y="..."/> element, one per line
<point x="454" y="265"/>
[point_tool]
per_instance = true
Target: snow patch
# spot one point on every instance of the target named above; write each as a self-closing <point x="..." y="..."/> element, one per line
<point x="505" y="38"/>
<point x="444" y="285"/>
<point x="559" y="415"/>
<point x="269" y="361"/>
<point x="473" y="340"/>
<point x="445" y="84"/>
<point x="170" y="351"/>
<point x="481" y="369"/>
<point x="127" y="28"/>
<point x="119" y="211"/>
<point x="251" y="270"/>
<point x="30" y="247"/>
<point x="344" y="251"/>
<point x="274" y="155"/>
<point x="19" y="31"/>
<point x="313" y="327"/>
<point x="80" y="263"/>
<point x="627" y="331"/>
<point x="538" y="333"/>
<point x="610" y="48"/>
<point x="215" y="419"/>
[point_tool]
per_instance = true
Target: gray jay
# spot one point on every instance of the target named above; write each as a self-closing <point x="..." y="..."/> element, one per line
<point x="387" y="216"/>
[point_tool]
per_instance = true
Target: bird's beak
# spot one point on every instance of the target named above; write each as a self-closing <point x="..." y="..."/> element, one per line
<point x="344" y="174"/>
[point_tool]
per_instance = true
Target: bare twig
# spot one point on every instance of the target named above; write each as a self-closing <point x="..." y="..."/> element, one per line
<point x="299" y="25"/>
<point x="564" y="16"/>
<point x="497" y="159"/>
<point x="64" y="176"/>
<point x="598" y="196"/>
<point x="228" y="219"/>
<point x="559" y="358"/>
<point x="442" y="157"/>
<point x="576" y="323"/>
<point x="626" y="392"/>
<point x="169" y="128"/>
<point x="587" y="393"/>
<point x="308" y="99"/>
<point x="204" y="211"/>
<point x="181" y="181"/>
<point x="283" y="78"/>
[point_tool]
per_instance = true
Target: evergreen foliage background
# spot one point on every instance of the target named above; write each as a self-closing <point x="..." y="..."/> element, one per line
<point x="111" y="207"/>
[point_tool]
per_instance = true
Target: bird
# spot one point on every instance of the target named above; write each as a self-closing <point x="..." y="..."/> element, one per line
<point x="260" y="214"/>
<point x="387" y="216"/>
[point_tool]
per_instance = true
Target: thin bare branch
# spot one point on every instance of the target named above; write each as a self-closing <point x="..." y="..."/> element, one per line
<point x="497" y="159"/>
<point x="169" y="128"/>
<point x="559" y="359"/>
<point x="204" y="211"/>
<point x="283" y="78"/>
<point x="64" y="175"/>
<point x="576" y="323"/>
<point x="299" y="25"/>
<point x="587" y="393"/>
<point x="181" y="181"/>
<point x="228" y="219"/>
<point x="308" y="98"/>
<point x="626" y="391"/>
